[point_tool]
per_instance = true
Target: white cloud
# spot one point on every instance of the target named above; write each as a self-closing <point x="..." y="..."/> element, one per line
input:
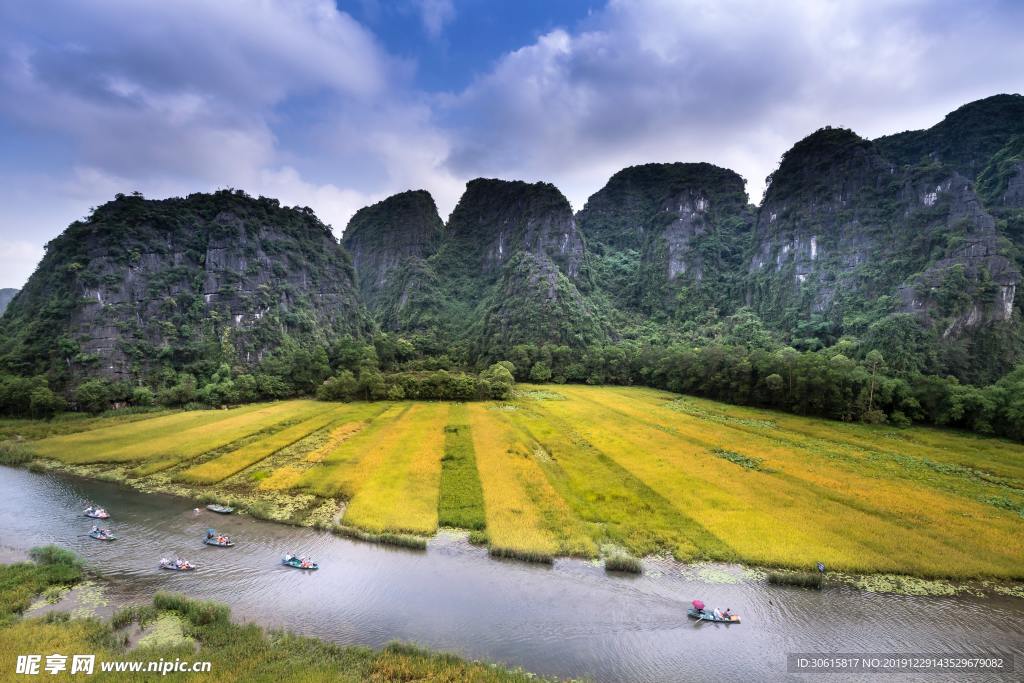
<point x="733" y="82"/>
<point x="435" y="14"/>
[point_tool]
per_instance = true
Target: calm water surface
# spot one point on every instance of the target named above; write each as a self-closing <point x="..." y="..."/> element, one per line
<point x="568" y="620"/>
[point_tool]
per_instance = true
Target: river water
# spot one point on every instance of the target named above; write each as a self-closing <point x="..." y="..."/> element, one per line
<point x="570" y="620"/>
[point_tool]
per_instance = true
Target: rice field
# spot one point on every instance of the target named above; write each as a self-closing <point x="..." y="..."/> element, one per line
<point x="608" y="472"/>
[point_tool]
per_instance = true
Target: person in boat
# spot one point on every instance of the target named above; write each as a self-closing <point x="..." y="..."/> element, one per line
<point x="727" y="614"/>
<point x="718" y="613"/>
<point x="209" y="534"/>
<point x="95" y="528"/>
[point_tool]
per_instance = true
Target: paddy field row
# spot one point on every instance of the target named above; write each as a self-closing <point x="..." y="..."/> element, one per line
<point x="591" y="471"/>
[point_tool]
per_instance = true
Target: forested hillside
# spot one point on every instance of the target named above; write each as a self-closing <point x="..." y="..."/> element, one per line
<point x="877" y="280"/>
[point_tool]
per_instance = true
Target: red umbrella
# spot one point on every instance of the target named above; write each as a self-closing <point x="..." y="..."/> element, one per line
<point x="698" y="604"/>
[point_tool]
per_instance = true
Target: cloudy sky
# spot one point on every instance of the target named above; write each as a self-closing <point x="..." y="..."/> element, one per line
<point x="338" y="104"/>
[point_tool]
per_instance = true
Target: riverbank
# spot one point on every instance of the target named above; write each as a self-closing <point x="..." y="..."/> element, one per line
<point x="569" y="619"/>
<point x="593" y="472"/>
<point x="174" y="628"/>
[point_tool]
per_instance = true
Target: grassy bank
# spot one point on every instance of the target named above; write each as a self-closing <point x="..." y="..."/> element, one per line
<point x="569" y="470"/>
<point x="175" y="627"/>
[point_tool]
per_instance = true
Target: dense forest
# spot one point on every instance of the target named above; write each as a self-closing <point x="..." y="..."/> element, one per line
<point x="876" y="281"/>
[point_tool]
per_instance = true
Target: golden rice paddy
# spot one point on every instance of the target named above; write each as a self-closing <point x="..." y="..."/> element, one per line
<point x="575" y="470"/>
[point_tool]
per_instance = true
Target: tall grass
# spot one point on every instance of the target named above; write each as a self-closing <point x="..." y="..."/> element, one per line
<point x="401" y="493"/>
<point x="95" y="445"/>
<point x="14" y="453"/>
<point x="800" y="579"/>
<point x="526" y="517"/>
<point x="630" y="513"/>
<point x="343" y="467"/>
<point x="20" y="583"/>
<point x="230" y="463"/>
<point x="623" y="563"/>
<point x="385" y="538"/>
<point x="461" y="500"/>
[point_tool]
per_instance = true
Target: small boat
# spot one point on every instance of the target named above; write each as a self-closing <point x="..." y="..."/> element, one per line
<point x="96" y="512"/>
<point x="709" y="616"/>
<point x="102" y="535"/>
<point x="222" y="509"/>
<point x="218" y="540"/>
<point x="177" y="565"/>
<point x="299" y="562"/>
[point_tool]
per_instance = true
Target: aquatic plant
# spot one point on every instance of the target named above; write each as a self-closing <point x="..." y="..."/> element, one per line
<point x="801" y="579"/>
<point x="400" y="540"/>
<point x="14" y="453"/>
<point x="623" y="563"/>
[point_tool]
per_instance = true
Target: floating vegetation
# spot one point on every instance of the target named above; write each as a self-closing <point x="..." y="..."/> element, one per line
<point x="905" y="585"/>
<point x="167" y="630"/>
<point x="324" y="515"/>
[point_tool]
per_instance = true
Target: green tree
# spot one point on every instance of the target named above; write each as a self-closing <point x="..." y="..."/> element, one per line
<point x="540" y="372"/>
<point x="93" y="395"/>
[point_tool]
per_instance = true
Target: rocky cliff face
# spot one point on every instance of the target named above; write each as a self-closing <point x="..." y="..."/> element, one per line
<point x="671" y="234"/>
<point x="509" y="269"/>
<point x="847" y="235"/>
<point x="382" y="237"/>
<point x="497" y="219"/>
<point x="144" y="284"/>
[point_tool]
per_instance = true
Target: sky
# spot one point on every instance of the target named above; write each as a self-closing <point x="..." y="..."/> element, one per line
<point x="339" y="104"/>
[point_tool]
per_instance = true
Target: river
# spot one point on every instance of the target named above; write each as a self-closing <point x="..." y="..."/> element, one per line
<point x="569" y="620"/>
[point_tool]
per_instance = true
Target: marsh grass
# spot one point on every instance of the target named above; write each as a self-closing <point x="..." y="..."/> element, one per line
<point x="523" y="555"/>
<point x="623" y="563"/>
<point x="461" y="499"/>
<point x="385" y="538"/>
<point x="51" y="567"/>
<point x="799" y="579"/>
<point x="237" y="460"/>
<point x="13" y="452"/>
<point x="397" y="489"/>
